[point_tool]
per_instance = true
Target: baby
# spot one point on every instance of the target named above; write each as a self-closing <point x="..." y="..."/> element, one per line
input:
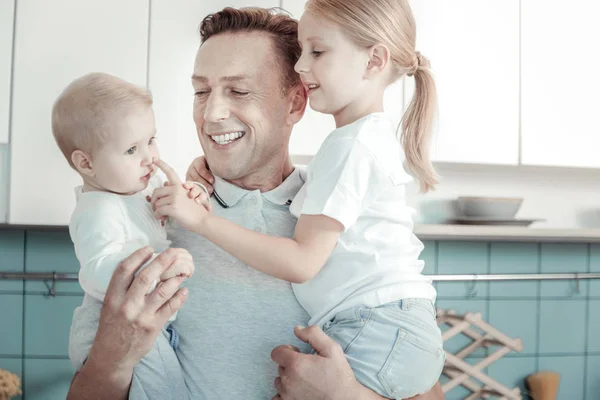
<point x="105" y="128"/>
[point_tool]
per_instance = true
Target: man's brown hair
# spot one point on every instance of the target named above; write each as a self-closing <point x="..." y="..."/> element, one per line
<point x="280" y="26"/>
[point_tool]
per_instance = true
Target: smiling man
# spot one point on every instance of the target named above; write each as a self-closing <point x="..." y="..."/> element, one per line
<point x="247" y="100"/>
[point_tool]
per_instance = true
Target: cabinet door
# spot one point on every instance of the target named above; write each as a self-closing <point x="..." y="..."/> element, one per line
<point x="55" y="42"/>
<point x="174" y="40"/>
<point x="473" y="46"/>
<point x="560" y="83"/>
<point x="7" y="14"/>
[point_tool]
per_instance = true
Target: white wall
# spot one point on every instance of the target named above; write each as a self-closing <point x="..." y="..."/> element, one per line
<point x="3" y="182"/>
<point x="566" y="198"/>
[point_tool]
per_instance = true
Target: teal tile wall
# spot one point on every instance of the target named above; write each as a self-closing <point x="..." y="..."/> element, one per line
<point x="559" y="326"/>
<point x="557" y="321"/>
<point x="34" y="328"/>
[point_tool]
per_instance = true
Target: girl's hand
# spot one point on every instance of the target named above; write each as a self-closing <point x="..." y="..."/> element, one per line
<point x="200" y="172"/>
<point x="196" y="190"/>
<point x="173" y="201"/>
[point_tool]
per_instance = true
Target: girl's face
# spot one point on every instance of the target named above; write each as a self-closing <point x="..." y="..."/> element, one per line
<point x="332" y="67"/>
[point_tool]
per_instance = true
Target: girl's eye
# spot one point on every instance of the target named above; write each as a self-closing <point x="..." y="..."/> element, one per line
<point x="151" y="140"/>
<point x="131" y="150"/>
<point x="316" y="53"/>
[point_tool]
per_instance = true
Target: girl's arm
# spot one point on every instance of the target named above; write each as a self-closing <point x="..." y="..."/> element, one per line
<point x="296" y="260"/>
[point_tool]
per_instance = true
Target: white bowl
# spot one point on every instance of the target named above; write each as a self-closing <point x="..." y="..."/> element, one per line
<point x="489" y="207"/>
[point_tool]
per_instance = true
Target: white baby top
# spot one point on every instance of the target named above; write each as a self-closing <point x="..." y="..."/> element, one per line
<point x="106" y="228"/>
<point x="357" y="178"/>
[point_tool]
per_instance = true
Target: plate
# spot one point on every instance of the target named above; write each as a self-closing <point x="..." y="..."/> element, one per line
<point x="494" y="221"/>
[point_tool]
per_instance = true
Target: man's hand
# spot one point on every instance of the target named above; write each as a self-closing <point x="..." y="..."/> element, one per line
<point x="130" y="321"/>
<point x="324" y="376"/>
<point x="173" y="201"/>
<point x="200" y="172"/>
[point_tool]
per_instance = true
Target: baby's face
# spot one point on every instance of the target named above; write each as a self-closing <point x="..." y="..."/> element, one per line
<point x="124" y="163"/>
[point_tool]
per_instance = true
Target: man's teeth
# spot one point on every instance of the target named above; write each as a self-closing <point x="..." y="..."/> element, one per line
<point x="228" y="137"/>
<point x="313" y="86"/>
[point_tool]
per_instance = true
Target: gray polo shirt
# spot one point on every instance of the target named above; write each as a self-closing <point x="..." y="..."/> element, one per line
<point x="234" y="316"/>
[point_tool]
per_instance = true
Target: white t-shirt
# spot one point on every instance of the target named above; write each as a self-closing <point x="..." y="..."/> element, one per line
<point x="106" y="228"/>
<point x="357" y="178"/>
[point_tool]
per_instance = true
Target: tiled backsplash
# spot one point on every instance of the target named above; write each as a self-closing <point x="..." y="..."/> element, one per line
<point x="558" y="322"/>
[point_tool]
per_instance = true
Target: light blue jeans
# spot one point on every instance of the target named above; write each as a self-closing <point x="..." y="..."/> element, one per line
<point x="394" y="349"/>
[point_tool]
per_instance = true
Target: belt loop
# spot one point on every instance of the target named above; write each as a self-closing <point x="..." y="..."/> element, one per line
<point x="405" y="304"/>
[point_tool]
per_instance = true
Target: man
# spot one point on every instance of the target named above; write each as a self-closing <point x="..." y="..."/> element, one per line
<point x="247" y="100"/>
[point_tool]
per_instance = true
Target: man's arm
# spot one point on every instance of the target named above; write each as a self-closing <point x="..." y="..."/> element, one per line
<point x="326" y="375"/>
<point x="130" y="322"/>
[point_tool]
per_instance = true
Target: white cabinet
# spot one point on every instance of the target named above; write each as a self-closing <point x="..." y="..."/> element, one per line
<point x="55" y="42"/>
<point x="7" y="8"/>
<point x="174" y="40"/>
<point x="473" y="46"/>
<point x="560" y="83"/>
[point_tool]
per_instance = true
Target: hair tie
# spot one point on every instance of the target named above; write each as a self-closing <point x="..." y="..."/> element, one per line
<point x="418" y="63"/>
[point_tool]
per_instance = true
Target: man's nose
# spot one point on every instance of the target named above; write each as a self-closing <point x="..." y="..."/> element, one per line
<point x="216" y="109"/>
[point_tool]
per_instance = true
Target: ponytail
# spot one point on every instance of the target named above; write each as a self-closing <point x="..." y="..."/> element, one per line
<point x="417" y="125"/>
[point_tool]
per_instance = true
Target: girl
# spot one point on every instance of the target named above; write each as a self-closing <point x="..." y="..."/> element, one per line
<point x="353" y="260"/>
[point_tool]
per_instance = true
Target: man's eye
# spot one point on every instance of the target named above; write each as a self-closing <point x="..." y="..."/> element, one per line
<point x="131" y="150"/>
<point x="239" y="92"/>
<point x="201" y="93"/>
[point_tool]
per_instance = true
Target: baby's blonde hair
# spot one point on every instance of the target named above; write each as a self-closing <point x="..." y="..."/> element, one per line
<point x="91" y="107"/>
<point x="391" y="22"/>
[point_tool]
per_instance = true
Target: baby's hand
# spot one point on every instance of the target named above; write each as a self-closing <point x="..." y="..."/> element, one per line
<point x="199" y="171"/>
<point x="182" y="264"/>
<point x="173" y="201"/>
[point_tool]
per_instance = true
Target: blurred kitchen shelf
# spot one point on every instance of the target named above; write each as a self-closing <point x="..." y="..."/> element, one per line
<point x="505" y="233"/>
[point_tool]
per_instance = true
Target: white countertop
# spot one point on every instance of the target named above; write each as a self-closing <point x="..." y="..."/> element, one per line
<point x="505" y="233"/>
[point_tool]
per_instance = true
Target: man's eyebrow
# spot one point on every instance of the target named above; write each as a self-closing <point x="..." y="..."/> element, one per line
<point x="234" y="78"/>
<point x="198" y="78"/>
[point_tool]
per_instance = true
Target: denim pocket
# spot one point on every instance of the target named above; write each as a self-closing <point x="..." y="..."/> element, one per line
<point x="413" y="366"/>
<point x="347" y="326"/>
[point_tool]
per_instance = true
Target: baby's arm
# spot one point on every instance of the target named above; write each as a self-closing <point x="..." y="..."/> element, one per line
<point x="100" y="234"/>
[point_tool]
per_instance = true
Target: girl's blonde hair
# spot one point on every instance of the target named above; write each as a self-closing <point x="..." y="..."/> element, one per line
<point x="391" y="23"/>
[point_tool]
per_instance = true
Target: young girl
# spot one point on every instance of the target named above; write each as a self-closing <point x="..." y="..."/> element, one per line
<point x="353" y="260"/>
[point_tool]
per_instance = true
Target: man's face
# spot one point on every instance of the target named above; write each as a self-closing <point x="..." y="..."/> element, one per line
<point x="240" y="111"/>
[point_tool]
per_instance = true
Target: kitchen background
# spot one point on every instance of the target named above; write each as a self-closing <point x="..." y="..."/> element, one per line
<point x="517" y="118"/>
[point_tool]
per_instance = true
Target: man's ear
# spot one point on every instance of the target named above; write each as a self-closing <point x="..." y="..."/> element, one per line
<point x="298" y="98"/>
<point x="379" y="58"/>
<point x="82" y="162"/>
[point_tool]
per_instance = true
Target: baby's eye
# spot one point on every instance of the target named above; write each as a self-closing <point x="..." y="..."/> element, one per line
<point x="131" y="150"/>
